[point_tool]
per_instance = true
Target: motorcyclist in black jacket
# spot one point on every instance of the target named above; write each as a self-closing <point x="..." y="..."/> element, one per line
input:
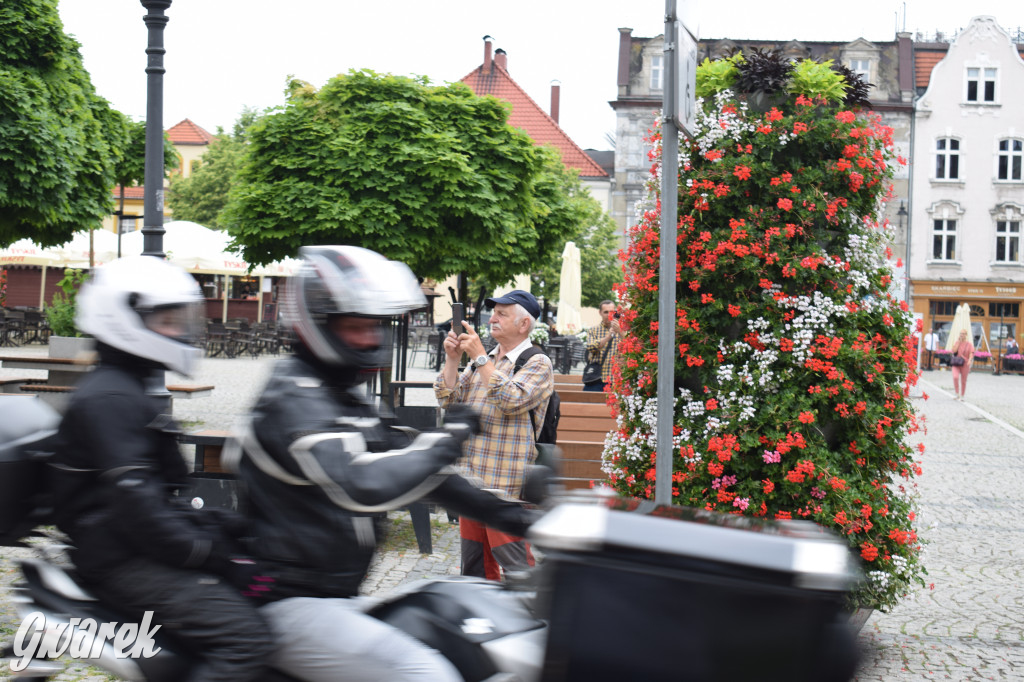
<point x="138" y="547"/>
<point x="321" y="467"/>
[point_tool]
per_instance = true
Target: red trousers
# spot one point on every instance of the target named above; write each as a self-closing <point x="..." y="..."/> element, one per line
<point x="486" y="551"/>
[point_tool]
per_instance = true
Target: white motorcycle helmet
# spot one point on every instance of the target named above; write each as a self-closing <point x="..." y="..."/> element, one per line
<point x="348" y="281"/>
<point x="146" y="307"/>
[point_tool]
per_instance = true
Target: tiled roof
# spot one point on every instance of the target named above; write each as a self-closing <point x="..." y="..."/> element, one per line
<point x="136" y="192"/>
<point x="924" y="61"/>
<point x="188" y="133"/>
<point x="527" y="115"/>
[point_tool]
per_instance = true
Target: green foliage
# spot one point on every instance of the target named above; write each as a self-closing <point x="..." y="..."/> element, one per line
<point x="794" y="362"/>
<point x="61" y="312"/>
<point x="429" y="175"/>
<point x="202" y="196"/>
<point x="715" y="76"/>
<point x="761" y="74"/>
<point x="59" y="141"/>
<point x="818" y="80"/>
<point x="131" y="167"/>
<point x="599" y="264"/>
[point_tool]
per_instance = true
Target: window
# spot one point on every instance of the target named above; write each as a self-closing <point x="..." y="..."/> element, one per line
<point x="861" y="67"/>
<point x="127" y="223"/>
<point x="1010" y="154"/>
<point x="947" y="158"/>
<point x="1004" y="309"/>
<point x="657" y="72"/>
<point x="943" y="307"/>
<point x="981" y="84"/>
<point x="1008" y="241"/>
<point x="944" y="240"/>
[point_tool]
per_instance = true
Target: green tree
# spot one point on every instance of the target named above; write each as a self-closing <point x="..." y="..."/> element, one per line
<point x="600" y="269"/>
<point x="202" y="196"/>
<point x="429" y="175"/>
<point x="131" y="168"/>
<point x="59" y="141"/>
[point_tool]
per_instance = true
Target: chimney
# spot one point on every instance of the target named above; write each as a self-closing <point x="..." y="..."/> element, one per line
<point x="625" y="52"/>
<point x="501" y="59"/>
<point x="556" y="88"/>
<point x="487" y="52"/>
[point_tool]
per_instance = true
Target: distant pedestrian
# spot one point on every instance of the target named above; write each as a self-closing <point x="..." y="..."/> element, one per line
<point x="1011" y="346"/>
<point x="931" y="343"/>
<point x="603" y="345"/>
<point x="963" y="358"/>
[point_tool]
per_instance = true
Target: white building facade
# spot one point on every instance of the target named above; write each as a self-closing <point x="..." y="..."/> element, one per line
<point x="967" y="190"/>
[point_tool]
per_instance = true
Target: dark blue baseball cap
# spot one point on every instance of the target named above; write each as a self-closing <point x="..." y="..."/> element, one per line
<point x="523" y="298"/>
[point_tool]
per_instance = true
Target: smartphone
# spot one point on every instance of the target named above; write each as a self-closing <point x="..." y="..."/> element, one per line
<point x="457" y="313"/>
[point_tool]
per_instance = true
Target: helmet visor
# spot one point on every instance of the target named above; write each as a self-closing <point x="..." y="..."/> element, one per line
<point x="181" y="322"/>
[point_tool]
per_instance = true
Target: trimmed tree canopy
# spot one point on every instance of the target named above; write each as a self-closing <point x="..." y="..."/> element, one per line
<point x="429" y="175"/>
<point x="59" y="141"/>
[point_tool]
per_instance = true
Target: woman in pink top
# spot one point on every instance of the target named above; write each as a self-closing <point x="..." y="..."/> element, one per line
<point x="964" y="349"/>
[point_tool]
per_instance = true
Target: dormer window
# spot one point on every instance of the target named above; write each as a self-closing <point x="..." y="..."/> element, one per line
<point x="657" y="72"/>
<point x="861" y="67"/>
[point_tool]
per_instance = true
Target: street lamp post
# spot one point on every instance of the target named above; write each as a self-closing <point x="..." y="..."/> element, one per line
<point x="153" y="206"/>
<point x="153" y="219"/>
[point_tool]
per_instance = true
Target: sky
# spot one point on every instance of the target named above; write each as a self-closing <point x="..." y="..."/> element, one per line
<point x="225" y="55"/>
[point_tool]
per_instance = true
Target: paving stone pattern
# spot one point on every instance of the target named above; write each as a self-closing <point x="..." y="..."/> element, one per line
<point x="968" y="626"/>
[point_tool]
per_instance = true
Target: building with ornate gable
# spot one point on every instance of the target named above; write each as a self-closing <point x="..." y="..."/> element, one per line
<point x="967" y="204"/>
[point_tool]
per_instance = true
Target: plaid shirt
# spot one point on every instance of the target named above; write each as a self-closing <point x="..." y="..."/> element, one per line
<point x="595" y="335"/>
<point x="504" y="447"/>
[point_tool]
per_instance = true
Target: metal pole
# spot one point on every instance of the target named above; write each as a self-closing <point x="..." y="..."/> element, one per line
<point x="999" y="344"/>
<point x="667" y="271"/>
<point x="153" y="221"/>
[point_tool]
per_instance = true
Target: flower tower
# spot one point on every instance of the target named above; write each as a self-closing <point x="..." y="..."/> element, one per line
<point x="794" y="360"/>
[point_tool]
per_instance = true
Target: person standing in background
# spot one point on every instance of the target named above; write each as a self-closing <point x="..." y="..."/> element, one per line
<point x="963" y="350"/>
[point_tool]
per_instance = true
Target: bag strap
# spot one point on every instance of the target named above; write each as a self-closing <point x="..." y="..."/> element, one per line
<point x="607" y="349"/>
<point x="519" y="364"/>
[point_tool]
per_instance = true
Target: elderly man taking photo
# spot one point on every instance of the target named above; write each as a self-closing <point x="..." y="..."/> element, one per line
<point x="512" y="403"/>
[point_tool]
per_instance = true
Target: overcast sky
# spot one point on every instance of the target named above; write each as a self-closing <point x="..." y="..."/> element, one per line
<point x="223" y="55"/>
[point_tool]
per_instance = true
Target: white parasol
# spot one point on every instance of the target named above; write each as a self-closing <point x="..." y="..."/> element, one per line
<point x="199" y="249"/>
<point x="24" y="252"/>
<point x="75" y="253"/>
<point x="570" y="319"/>
<point x="961" y="322"/>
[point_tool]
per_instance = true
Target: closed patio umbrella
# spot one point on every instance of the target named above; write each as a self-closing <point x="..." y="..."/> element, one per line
<point x="570" y="318"/>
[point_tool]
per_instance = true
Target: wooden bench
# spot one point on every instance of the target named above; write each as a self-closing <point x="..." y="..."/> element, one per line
<point x="209" y="445"/>
<point x="185" y="391"/>
<point x="14" y="384"/>
<point x="46" y="388"/>
<point x="580" y="396"/>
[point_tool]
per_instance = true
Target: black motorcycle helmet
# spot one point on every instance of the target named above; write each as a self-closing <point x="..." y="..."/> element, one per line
<point x="339" y="281"/>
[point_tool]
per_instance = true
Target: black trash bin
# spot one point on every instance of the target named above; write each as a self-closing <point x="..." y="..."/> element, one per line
<point x="635" y="591"/>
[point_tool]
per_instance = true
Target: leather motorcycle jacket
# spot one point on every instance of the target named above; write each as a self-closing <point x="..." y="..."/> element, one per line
<point x="115" y="472"/>
<point x="320" y="469"/>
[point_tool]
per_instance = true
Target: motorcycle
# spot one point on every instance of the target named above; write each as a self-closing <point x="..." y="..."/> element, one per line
<point x="626" y="589"/>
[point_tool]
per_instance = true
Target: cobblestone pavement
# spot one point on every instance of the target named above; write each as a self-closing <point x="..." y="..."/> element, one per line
<point x="968" y="626"/>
